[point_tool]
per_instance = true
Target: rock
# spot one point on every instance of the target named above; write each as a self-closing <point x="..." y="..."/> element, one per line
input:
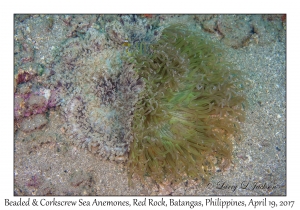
<point x="29" y="124"/>
<point x="31" y="103"/>
<point x="210" y="25"/>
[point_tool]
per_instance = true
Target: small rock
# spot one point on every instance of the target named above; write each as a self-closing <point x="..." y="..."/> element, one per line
<point x="34" y="122"/>
<point x="165" y="190"/>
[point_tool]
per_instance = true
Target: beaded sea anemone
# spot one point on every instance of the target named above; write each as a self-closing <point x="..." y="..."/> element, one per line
<point x="189" y="109"/>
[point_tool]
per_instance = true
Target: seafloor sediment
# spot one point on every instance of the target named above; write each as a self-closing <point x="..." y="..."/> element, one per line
<point x="74" y="97"/>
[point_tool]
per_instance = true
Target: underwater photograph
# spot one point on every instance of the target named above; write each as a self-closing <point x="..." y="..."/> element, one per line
<point x="149" y="104"/>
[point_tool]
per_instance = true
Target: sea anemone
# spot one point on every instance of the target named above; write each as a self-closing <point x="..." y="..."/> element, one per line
<point x="189" y="109"/>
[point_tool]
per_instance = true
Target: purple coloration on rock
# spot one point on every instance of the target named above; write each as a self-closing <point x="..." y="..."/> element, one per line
<point x="54" y="98"/>
<point x="35" y="102"/>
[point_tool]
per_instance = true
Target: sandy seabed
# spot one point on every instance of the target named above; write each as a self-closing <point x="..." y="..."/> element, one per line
<point x="46" y="161"/>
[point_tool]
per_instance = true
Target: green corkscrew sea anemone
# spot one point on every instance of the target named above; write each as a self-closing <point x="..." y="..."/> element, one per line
<point x="189" y="109"/>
